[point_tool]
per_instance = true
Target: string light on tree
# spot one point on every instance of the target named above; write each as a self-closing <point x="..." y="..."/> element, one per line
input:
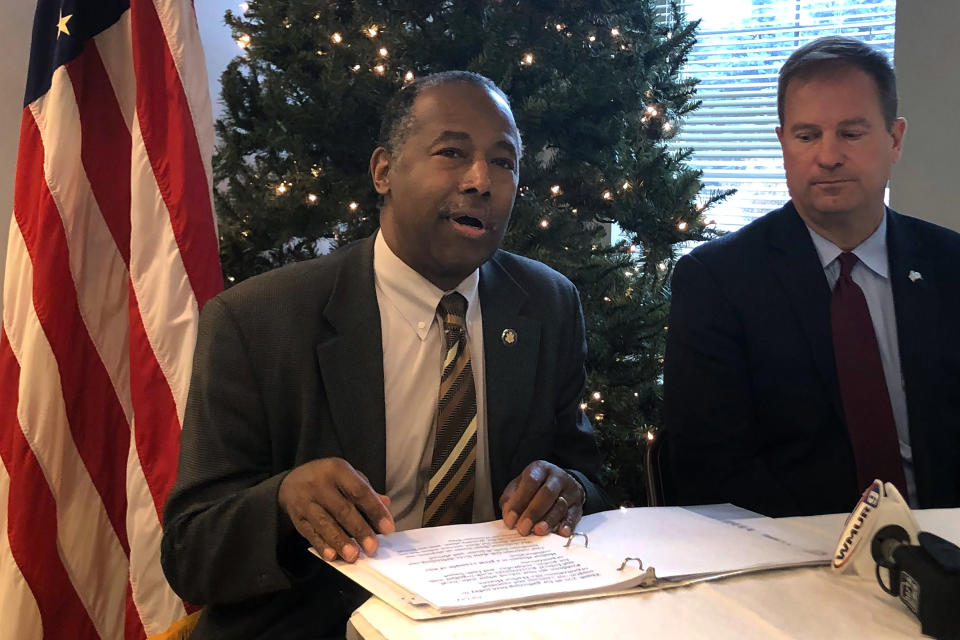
<point x="355" y="67"/>
<point x="652" y="111"/>
<point x="626" y="185"/>
<point x="596" y="395"/>
<point x="244" y="7"/>
<point x="682" y="226"/>
<point x="555" y="190"/>
<point x="527" y="59"/>
<point x="615" y="32"/>
<point x="336" y="38"/>
<point x="379" y="69"/>
<point x="408" y="76"/>
<point x="560" y="26"/>
<point x="353" y="206"/>
<point x="667" y="126"/>
<point x="383" y="52"/>
<point x="607" y="195"/>
<point x="312" y="198"/>
<point x="373" y="31"/>
<point x="281" y="189"/>
<point x="591" y="38"/>
<point x="583" y="406"/>
<point x="544" y="223"/>
<point x="243" y="41"/>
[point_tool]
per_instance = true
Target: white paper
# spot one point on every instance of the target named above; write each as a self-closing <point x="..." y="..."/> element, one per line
<point x="678" y="542"/>
<point x="463" y="566"/>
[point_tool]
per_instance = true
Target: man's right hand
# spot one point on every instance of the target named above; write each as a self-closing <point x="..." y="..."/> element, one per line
<point x="327" y="500"/>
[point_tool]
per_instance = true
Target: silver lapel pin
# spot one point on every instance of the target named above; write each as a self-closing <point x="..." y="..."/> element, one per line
<point x="914" y="276"/>
<point x="509" y="337"/>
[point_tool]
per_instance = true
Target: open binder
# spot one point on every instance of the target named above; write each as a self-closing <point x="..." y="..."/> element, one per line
<point x="446" y="571"/>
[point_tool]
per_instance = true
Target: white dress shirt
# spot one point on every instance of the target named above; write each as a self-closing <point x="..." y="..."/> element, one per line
<point x="412" y="366"/>
<point x="872" y="274"/>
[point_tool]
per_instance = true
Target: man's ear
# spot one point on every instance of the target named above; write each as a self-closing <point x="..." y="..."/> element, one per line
<point x="897" y="132"/>
<point x="380" y="170"/>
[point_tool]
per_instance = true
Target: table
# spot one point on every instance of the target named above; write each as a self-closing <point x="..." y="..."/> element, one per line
<point x="794" y="603"/>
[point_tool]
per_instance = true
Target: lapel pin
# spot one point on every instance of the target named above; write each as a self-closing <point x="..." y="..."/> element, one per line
<point x="914" y="276"/>
<point x="509" y="337"/>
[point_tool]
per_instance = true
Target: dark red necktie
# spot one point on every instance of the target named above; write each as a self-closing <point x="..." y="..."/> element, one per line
<point x="866" y="401"/>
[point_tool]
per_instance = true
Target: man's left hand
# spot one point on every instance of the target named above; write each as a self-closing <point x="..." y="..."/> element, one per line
<point x="542" y="499"/>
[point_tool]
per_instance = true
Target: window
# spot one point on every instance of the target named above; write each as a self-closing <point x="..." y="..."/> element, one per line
<point x="741" y="45"/>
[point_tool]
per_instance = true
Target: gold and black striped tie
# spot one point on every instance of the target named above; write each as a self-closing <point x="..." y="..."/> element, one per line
<point x="453" y="467"/>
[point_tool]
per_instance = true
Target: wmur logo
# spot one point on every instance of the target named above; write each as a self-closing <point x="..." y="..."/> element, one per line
<point x="855" y="526"/>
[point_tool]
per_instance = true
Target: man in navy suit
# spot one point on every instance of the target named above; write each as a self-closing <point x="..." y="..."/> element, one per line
<point x="817" y="347"/>
<point x="313" y="413"/>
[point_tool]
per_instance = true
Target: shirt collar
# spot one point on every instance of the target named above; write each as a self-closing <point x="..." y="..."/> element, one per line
<point x="872" y="252"/>
<point x="415" y="297"/>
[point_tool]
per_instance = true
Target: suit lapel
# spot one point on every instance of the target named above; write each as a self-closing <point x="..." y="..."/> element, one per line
<point x="509" y="367"/>
<point x="351" y="365"/>
<point x="915" y="307"/>
<point x="796" y="265"/>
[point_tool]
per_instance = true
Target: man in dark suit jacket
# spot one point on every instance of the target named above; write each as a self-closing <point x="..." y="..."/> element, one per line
<point x="757" y="410"/>
<point x="287" y="435"/>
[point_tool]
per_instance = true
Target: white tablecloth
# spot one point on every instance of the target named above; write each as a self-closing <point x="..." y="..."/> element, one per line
<point x="794" y="603"/>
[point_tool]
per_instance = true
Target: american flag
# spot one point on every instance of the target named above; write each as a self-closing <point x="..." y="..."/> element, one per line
<point x="112" y="251"/>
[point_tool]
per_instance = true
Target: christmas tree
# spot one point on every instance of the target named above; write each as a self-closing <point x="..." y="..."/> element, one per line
<point x="597" y="94"/>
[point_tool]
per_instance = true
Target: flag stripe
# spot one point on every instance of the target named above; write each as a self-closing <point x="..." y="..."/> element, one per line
<point x="103" y="116"/>
<point x="132" y="625"/>
<point x="88" y="542"/>
<point x="104" y="135"/>
<point x="14" y="587"/>
<point x="94" y="414"/>
<point x="179" y="23"/>
<point x="95" y="263"/>
<point x="168" y="134"/>
<point x="157" y="427"/>
<point x="156" y="602"/>
<point x="155" y="249"/>
<point x="32" y="515"/>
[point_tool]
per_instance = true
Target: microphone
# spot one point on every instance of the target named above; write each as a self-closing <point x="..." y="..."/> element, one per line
<point x="925" y="576"/>
<point x="887" y="540"/>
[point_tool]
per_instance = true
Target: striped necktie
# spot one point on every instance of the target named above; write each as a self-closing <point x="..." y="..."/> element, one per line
<point x="453" y="467"/>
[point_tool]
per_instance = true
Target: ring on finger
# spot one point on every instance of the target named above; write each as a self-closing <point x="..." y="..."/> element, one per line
<point x="566" y="504"/>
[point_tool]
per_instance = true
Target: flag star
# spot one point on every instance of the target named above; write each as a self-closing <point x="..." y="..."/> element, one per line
<point x="62" y="24"/>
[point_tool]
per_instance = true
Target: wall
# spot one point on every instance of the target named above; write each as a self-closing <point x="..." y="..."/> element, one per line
<point x="16" y="26"/>
<point x="926" y="181"/>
